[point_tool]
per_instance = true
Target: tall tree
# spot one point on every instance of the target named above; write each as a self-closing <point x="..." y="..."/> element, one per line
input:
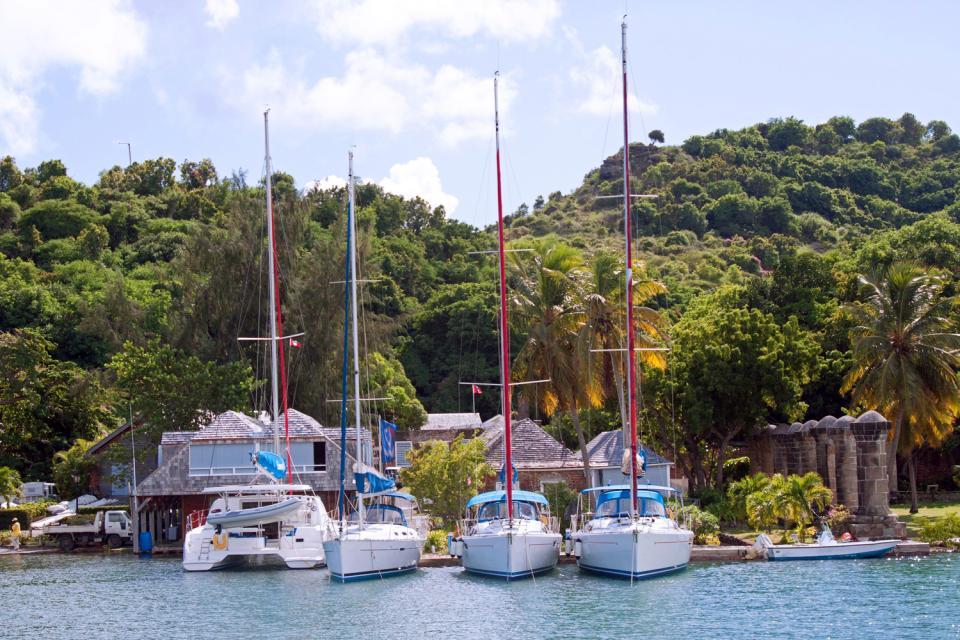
<point x="905" y="352"/>
<point x="10" y="484"/>
<point x="447" y="476"/>
<point x="546" y="305"/>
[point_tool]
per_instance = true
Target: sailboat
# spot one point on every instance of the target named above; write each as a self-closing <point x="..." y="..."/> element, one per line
<point x="374" y="546"/>
<point x="276" y="519"/>
<point x="629" y="533"/>
<point x="505" y="535"/>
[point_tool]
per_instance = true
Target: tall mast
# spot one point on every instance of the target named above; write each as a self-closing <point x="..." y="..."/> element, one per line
<point x="277" y="365"/>
<point x="345" y="389"/>
<point x="352" y="223"/>
<point x="504" y="327"/>
<point x="631" y="366"/>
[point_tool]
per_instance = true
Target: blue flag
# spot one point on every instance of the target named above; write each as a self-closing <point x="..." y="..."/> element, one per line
<point x="388" y="444"/>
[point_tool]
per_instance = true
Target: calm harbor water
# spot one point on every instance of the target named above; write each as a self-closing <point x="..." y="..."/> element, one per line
<point x="107" y="596"/>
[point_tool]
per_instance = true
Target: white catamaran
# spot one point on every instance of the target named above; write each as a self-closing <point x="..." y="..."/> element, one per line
<point x="375" y="545"/>
<point x="509" y="534"/>
<point x="278" y="520"/>
<point x="629" y="533"/>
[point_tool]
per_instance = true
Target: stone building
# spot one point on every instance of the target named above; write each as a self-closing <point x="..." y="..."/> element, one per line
<point x="850" y="454"/>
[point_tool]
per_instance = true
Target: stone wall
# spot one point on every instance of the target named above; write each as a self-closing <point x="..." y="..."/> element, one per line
<point x="850" y="454"/>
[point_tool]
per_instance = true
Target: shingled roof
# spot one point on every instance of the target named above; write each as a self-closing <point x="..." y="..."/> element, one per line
<point x="606" y="450"/>
<point x="452" y="421"/>
<point x="532" y="446"/>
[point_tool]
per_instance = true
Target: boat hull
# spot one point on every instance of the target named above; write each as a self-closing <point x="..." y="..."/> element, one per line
<point x="634" y="552"/>
<point x="839" y="551"/>
<point x="377" y="551"/>
<point x="204" y="550"/>
<point x="511" y="555"/>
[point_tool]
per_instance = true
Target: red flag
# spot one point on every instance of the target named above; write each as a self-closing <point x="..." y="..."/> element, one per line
<point x="477" y="391"/>
<point x="294" y="343"/>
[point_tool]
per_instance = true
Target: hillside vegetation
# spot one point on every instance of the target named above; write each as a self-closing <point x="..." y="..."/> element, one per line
<point x="130" y="293"/>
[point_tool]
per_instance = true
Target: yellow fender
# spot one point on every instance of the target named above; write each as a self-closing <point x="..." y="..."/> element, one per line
<point x="219" y="541"/>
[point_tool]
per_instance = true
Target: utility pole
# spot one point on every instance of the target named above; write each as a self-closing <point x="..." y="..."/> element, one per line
<point x="129" y="152"/>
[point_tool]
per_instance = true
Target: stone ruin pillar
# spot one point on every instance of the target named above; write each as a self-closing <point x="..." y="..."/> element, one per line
<point x="873" y="518"/>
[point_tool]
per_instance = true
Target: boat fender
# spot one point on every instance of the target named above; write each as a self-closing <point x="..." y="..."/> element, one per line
<point x="577" y="548"/>
<point x="219" y="541"/>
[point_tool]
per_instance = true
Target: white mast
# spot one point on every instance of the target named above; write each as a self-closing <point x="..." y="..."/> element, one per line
<point x="271" y="266"/>
<point x="351" y="221"/>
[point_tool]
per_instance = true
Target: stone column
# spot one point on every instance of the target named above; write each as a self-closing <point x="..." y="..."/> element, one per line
<point x="847" y="482"/>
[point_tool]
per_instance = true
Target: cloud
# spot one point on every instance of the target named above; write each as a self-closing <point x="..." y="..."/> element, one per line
<point x="375" y="92"/>
<point x="386" y="22"/>
<point x="598" y="81"/>
<point x="419" y="177"/>
<point x="101" y="39"/>
<point x="220" y="13"/>
<point x="329" y="182"/>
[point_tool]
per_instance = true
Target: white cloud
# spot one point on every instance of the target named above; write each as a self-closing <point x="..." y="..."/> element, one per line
<point x="385" y="22"/>
<point x="599" y="83"/>
<point x="102" y="39"/>
<point x="220" y="13"/>
<point x="375" y="92"/>
<point x="329" y="182"/>
<point x="419" y="177"/>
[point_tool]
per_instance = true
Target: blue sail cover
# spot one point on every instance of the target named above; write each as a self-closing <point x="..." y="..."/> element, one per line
<point x="502" y="476"/>
<point x="270" y="463"/>
<point x="370" y="481"/>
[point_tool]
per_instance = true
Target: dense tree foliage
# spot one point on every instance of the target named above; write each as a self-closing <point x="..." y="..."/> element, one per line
<point x="136" y="289"/>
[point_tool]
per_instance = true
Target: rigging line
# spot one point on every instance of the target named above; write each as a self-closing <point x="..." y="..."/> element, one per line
<point x="643" y="125"/>
<point x="483" y="175"/>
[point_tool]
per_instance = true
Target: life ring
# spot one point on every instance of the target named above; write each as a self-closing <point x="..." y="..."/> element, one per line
<point x="219" y="541"/>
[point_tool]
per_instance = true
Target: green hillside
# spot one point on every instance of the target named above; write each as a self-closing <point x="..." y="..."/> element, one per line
<point x="130" y="293"/>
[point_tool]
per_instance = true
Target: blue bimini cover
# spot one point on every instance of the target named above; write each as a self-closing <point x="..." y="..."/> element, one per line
<point x="270" y="463"/>
<point x="501" y="496"/>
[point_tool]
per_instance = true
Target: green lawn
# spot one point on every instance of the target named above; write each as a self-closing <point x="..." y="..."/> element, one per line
<point x="927" y="510"/>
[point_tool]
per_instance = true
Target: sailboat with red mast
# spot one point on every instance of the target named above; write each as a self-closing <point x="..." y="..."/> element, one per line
<point x="508" y="532"/>
<point x="628" y="533"/>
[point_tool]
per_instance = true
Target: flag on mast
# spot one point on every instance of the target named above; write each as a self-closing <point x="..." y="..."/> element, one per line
<point x="477" y="391"/>
<point x="295" y="343"/>
<point x="388" y="444"/>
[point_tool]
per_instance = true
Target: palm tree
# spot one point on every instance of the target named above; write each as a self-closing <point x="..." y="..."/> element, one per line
<point x="905" y="358"/>
<point x="10" y="484"/>
<point x="739" y="492"/>
<point x="546" y="305"/>
<point x="798" y="498"/>
<point x="605" y="321"/>
<point x="761" y="505"/>
<point x="71" y="469"/>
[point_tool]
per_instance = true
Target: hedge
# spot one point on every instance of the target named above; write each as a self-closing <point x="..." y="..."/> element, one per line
<point x="7" y="516"/>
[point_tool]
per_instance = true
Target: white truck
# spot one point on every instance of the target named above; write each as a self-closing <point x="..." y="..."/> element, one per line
<point x="112" y="528"/>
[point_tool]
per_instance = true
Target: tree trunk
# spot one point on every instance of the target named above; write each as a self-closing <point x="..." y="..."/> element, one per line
<point x="722" y="457"/>
<point x="892" y="447"/>
<point x="582" y="441"/>
<point x="912" y="469"/>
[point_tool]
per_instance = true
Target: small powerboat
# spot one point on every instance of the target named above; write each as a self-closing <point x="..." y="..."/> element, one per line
<point x="825" y="548"/>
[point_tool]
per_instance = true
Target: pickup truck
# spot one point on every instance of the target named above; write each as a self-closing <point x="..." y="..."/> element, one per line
<point x="112" y="528"/>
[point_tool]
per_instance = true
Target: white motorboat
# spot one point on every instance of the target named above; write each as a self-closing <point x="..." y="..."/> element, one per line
<point x="380" y="543"/>
<point x="825" y="548"/>
<point x="256" y="523"/>
<point x="616" y="541"/>
<point x="495" y="544"/>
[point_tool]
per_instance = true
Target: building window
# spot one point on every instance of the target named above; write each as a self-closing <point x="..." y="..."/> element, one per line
<point x="403" y="448"/>
<point x="320" y="454"/>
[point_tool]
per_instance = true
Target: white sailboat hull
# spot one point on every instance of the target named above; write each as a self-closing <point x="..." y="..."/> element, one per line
<point x="521" y="551"/>
<point x="634" y="550"/>
<point x="376" y="551"/>
<point x="302" y="549"/>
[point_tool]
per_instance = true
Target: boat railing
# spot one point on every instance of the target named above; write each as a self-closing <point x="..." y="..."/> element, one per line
<point x="550" y="523"/>
<point x="196" y="519"/>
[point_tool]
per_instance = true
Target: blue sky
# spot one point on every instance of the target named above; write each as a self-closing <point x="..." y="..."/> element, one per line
<point x="409" y="83"/>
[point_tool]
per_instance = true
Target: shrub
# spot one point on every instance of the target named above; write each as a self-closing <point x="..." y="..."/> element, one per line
<point x="436" y="539"/>
<point x="24" y="513"/>
<point x="940" y="530"/>
<point x="736" y="468"/>
<point x="724" y="510"/>
<point x="704" y="524"/>
<point x="740" y="490"/>
<point x="838" y="517"/>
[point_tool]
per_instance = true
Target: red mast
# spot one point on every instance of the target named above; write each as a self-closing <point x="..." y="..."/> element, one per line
<point x="504" y="327"/>
<point x="631" y="365"/>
